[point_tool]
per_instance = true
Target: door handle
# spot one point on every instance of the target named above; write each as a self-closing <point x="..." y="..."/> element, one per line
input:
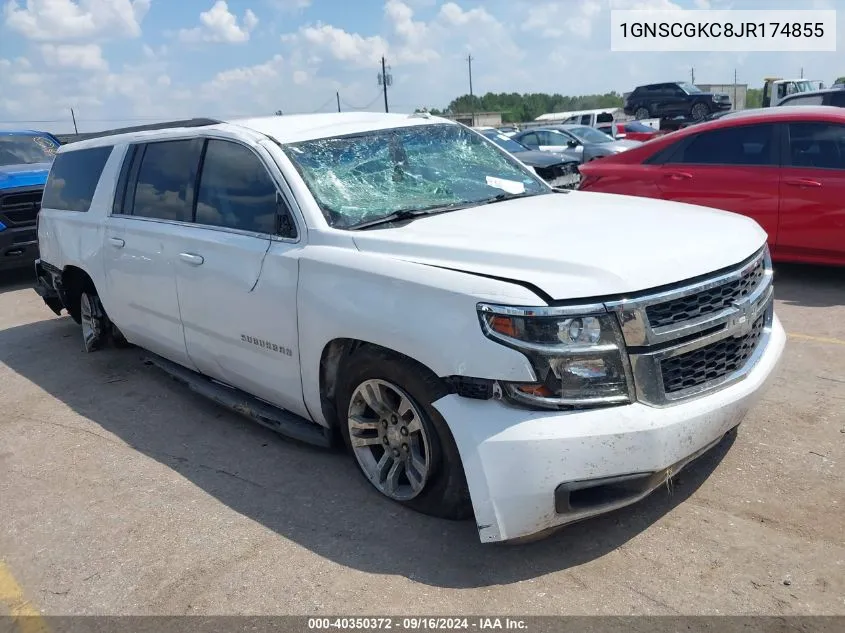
<point x="117" y="242"/>
<point x="802" y="182"/>
<point x="195" y="260"/>
<point x="678" y="175"/>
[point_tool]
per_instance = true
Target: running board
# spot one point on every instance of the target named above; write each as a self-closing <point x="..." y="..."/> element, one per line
<point x="274" y="418"/>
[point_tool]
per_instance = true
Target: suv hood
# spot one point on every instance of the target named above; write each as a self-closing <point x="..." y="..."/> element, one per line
<point x="575" y="245"/>
<point x="23" y="175"/>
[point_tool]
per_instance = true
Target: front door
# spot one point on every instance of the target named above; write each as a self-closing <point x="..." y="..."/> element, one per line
<point x="237" y="277"/>
<point x="812" y="193"/>
<point x="733" y="169"/>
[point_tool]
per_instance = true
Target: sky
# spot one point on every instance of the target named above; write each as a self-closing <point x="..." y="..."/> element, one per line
<point x="126" y="62"/>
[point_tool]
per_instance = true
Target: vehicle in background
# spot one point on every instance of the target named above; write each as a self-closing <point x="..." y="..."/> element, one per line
<point x="588" y="142"/>
<point x="25" y="158"/>
<point x="484" y="344"/>
<point x="783" y="167"/>
<point x="830" y="97"/>
<point x="508" y="130"/>
<point x="631" y="130"/>
<point x="591" y="118"/>
<point x="674" y="99"/>
<point x="559" y="170"/>
<point x="776" y="89"/>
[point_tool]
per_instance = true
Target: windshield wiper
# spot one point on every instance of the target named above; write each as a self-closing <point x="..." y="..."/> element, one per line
<point x="506" y="196"/>
<point x="402" y="214"/>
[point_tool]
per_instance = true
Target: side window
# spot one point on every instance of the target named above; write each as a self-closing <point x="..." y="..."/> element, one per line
<point x="235" y="190"/>
<point x="586" y="120"/>
<point x="741" y="145"/>
<point x="531" y="140"/>
<point x="838" y="99"/>
<point x="544" y="138"/>
<point x="819" y="145"/>
<point x="73" y="179"/>
<point x="165" y="184"/>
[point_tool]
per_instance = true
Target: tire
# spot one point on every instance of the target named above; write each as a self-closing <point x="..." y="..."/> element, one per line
<point x="93" y="320"/>
<point x="642" y="113"/>
<point x="117" y="338"/>
<point x="397" y="432"/>
<point x="700" y="111"/>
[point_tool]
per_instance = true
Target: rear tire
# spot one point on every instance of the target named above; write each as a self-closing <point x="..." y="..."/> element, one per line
<point x="93" y="321"/>
<point x="700" y="111"/>
<point x="642" y="113"/>
<point x="401" y="444"/>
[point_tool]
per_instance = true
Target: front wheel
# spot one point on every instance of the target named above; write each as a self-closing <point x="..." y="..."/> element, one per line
<point x="401" y="444"/>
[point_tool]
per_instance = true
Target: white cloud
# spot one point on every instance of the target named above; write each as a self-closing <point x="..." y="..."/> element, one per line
<point x="347" y="47"/>
<point x="553" y="20"/>
<point x="219" y="25"/>
<point x="289" y="5"/>
<point x="300" y="77"/>
<point x="64" y="20"/>
<point x="81" y="56"/>
<point x="454" y="15"/>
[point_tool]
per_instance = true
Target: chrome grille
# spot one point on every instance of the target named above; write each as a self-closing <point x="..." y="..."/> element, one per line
<point x="701" y="337"/>
<point x="711" y="362"/>
<point x="707" y="301"/>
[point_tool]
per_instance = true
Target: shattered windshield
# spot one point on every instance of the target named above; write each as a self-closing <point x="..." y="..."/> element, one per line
<point x="363" y="177"/>
<point x="26" y="149"/>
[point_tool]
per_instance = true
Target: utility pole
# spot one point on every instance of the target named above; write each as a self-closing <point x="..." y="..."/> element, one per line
<point x="471" y="98"/>
<point x="73" y="116"/>
<point x="734" y="89"/>
<point x="802" y="72"/>
<point x="385" y="79"/>
<point x="337" y="94"/>
<point x="692" y="76"/>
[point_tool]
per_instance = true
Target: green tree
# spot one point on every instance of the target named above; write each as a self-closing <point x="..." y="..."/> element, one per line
<point x="840" y="80"/>
<point x="517" y="107"/>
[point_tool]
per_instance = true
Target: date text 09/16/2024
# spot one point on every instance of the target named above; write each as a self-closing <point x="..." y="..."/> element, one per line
<point x="418" y="623"/>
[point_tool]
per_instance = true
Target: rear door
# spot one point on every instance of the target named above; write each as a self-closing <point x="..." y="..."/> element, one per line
<point x="732" y="168"/>
<point x="152" y="206"/>
<point x="812" y="192"/>
<point x="236" y="274"/>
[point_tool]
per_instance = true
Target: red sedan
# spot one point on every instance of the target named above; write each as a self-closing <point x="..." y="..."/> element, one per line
<point x="631" y="130"/>
<point x="783" y="167"/>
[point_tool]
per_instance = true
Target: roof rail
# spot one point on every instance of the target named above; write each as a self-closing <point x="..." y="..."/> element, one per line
<point x="197" y="122"/>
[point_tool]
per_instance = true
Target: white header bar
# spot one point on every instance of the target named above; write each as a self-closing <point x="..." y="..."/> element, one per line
<point x="728" y="30"/>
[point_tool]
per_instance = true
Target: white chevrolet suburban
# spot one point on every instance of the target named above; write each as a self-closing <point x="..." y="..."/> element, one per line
<point x="483" y="343"/>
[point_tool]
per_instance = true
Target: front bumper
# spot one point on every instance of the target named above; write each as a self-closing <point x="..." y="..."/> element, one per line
<point x="525" y="468"/>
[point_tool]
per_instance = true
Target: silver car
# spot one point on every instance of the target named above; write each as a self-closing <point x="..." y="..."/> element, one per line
<point x="587" y="143"/>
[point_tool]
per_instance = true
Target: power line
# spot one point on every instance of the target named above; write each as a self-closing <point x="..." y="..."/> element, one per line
<point x="369" y="105"/>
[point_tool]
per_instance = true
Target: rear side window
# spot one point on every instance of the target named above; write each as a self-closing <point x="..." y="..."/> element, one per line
<point x="838" y="99"/>
<point x="740" y="145"/>
<point x="73" y="179"/>
<point x="817" y="144"/>
<point x="235" y="189"/>
<point x="165" y="185"/>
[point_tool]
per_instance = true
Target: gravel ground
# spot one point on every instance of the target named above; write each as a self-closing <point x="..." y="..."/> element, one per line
<point x="123" y="493"/>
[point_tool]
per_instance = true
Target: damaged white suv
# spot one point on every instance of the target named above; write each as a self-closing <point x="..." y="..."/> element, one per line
<point x="484" y="344"/>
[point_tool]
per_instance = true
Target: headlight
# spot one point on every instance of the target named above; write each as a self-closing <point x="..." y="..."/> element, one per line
<point x="578" y="354"/>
